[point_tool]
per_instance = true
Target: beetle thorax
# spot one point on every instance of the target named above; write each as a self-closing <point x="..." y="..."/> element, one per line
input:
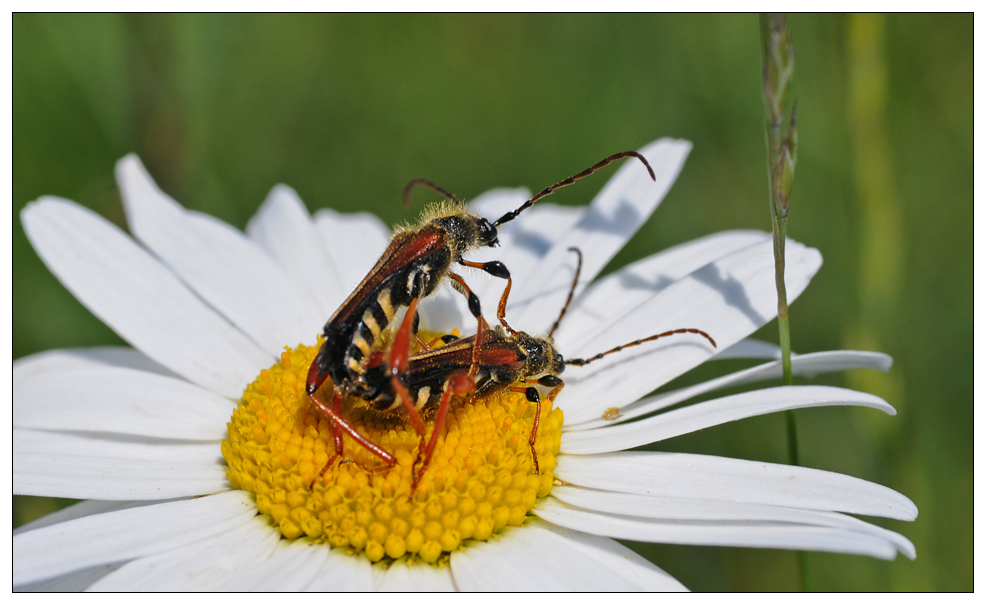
<point x="542" y="357"/>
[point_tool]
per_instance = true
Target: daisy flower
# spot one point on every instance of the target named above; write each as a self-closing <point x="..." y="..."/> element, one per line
<point x="197" y="455"/>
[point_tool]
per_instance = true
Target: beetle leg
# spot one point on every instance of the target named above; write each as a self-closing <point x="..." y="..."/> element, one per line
<point x="460" y="384"/>
<point x="460" y="284"/>
<point x="496" y="269"/>
<point x="339" y="423"/>
<point x="400" y="355"/>
<point x="475" y="309"/>
<point x="336" y="430"/>
<point x="534" y="397"/>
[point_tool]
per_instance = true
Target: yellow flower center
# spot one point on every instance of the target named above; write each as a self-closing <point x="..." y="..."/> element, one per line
<point x="480" y="478"/>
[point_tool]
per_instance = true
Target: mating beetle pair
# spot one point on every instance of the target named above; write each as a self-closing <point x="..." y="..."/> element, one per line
<point x="412" y="267"/>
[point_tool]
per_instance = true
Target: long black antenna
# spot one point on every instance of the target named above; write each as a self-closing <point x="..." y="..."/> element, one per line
<point x="582" y="362"/>
<point x="548" y="191"/>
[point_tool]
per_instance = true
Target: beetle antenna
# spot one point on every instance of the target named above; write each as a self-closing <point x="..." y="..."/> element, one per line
<point x="426" y="183"/>
<point x="582" y="362"/>
<point x="578" y="270"/>
<point x="548" y="191"/>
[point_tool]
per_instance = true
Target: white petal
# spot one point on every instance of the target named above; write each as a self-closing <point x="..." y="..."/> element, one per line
<point x="544" y="557"/>
<point x="709" y="533"/>
<point x="417" y="577"/>
<point x="291" y="567"/>
<point x="62" y="476"/>
<point x="711" y="413"/>
<point x="354" y="242"/>
<point x="619" y="293"/>
<point x="810" y="364"/>
<point x="119" y="400"/>
<point x="729" y="299"/>
<point x="126" y="534"/>
<point x="287" y="232"/>
<point x="203" y="565"/>
<point x="731" y="480"/>
<point x="77" y="581"/>
<point x="343" y="573"/>
<point x="685" y="509"/>
<point x="232" y="274"/>
<point x="139" y="298"/>
<point x="626" y="201"/>
<point x="118" y="446"/>
<point x="750" y="348"/>
<point x="69" y="465"/>
<point x="77" y="511"/>
<point x="57" y="360"/>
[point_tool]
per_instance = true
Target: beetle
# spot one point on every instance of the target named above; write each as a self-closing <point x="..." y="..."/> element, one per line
<point x="491" y="361"/>
<point x="415" y="262"/>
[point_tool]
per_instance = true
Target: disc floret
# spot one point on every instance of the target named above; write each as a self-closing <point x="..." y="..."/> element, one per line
<point x="481" y="477"/>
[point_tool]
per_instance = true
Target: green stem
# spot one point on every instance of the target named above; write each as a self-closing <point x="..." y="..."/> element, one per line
<point x="805" y="572"/>
<point x="784" y="327"/>
<point x="780" y="238"/>
<point x="778" y="72"/>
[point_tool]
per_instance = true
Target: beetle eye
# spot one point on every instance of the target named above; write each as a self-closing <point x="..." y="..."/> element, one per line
<point x="487" y="233"/>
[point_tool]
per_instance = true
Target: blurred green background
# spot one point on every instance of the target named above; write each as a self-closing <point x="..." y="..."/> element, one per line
<point x="347" y="109"/>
